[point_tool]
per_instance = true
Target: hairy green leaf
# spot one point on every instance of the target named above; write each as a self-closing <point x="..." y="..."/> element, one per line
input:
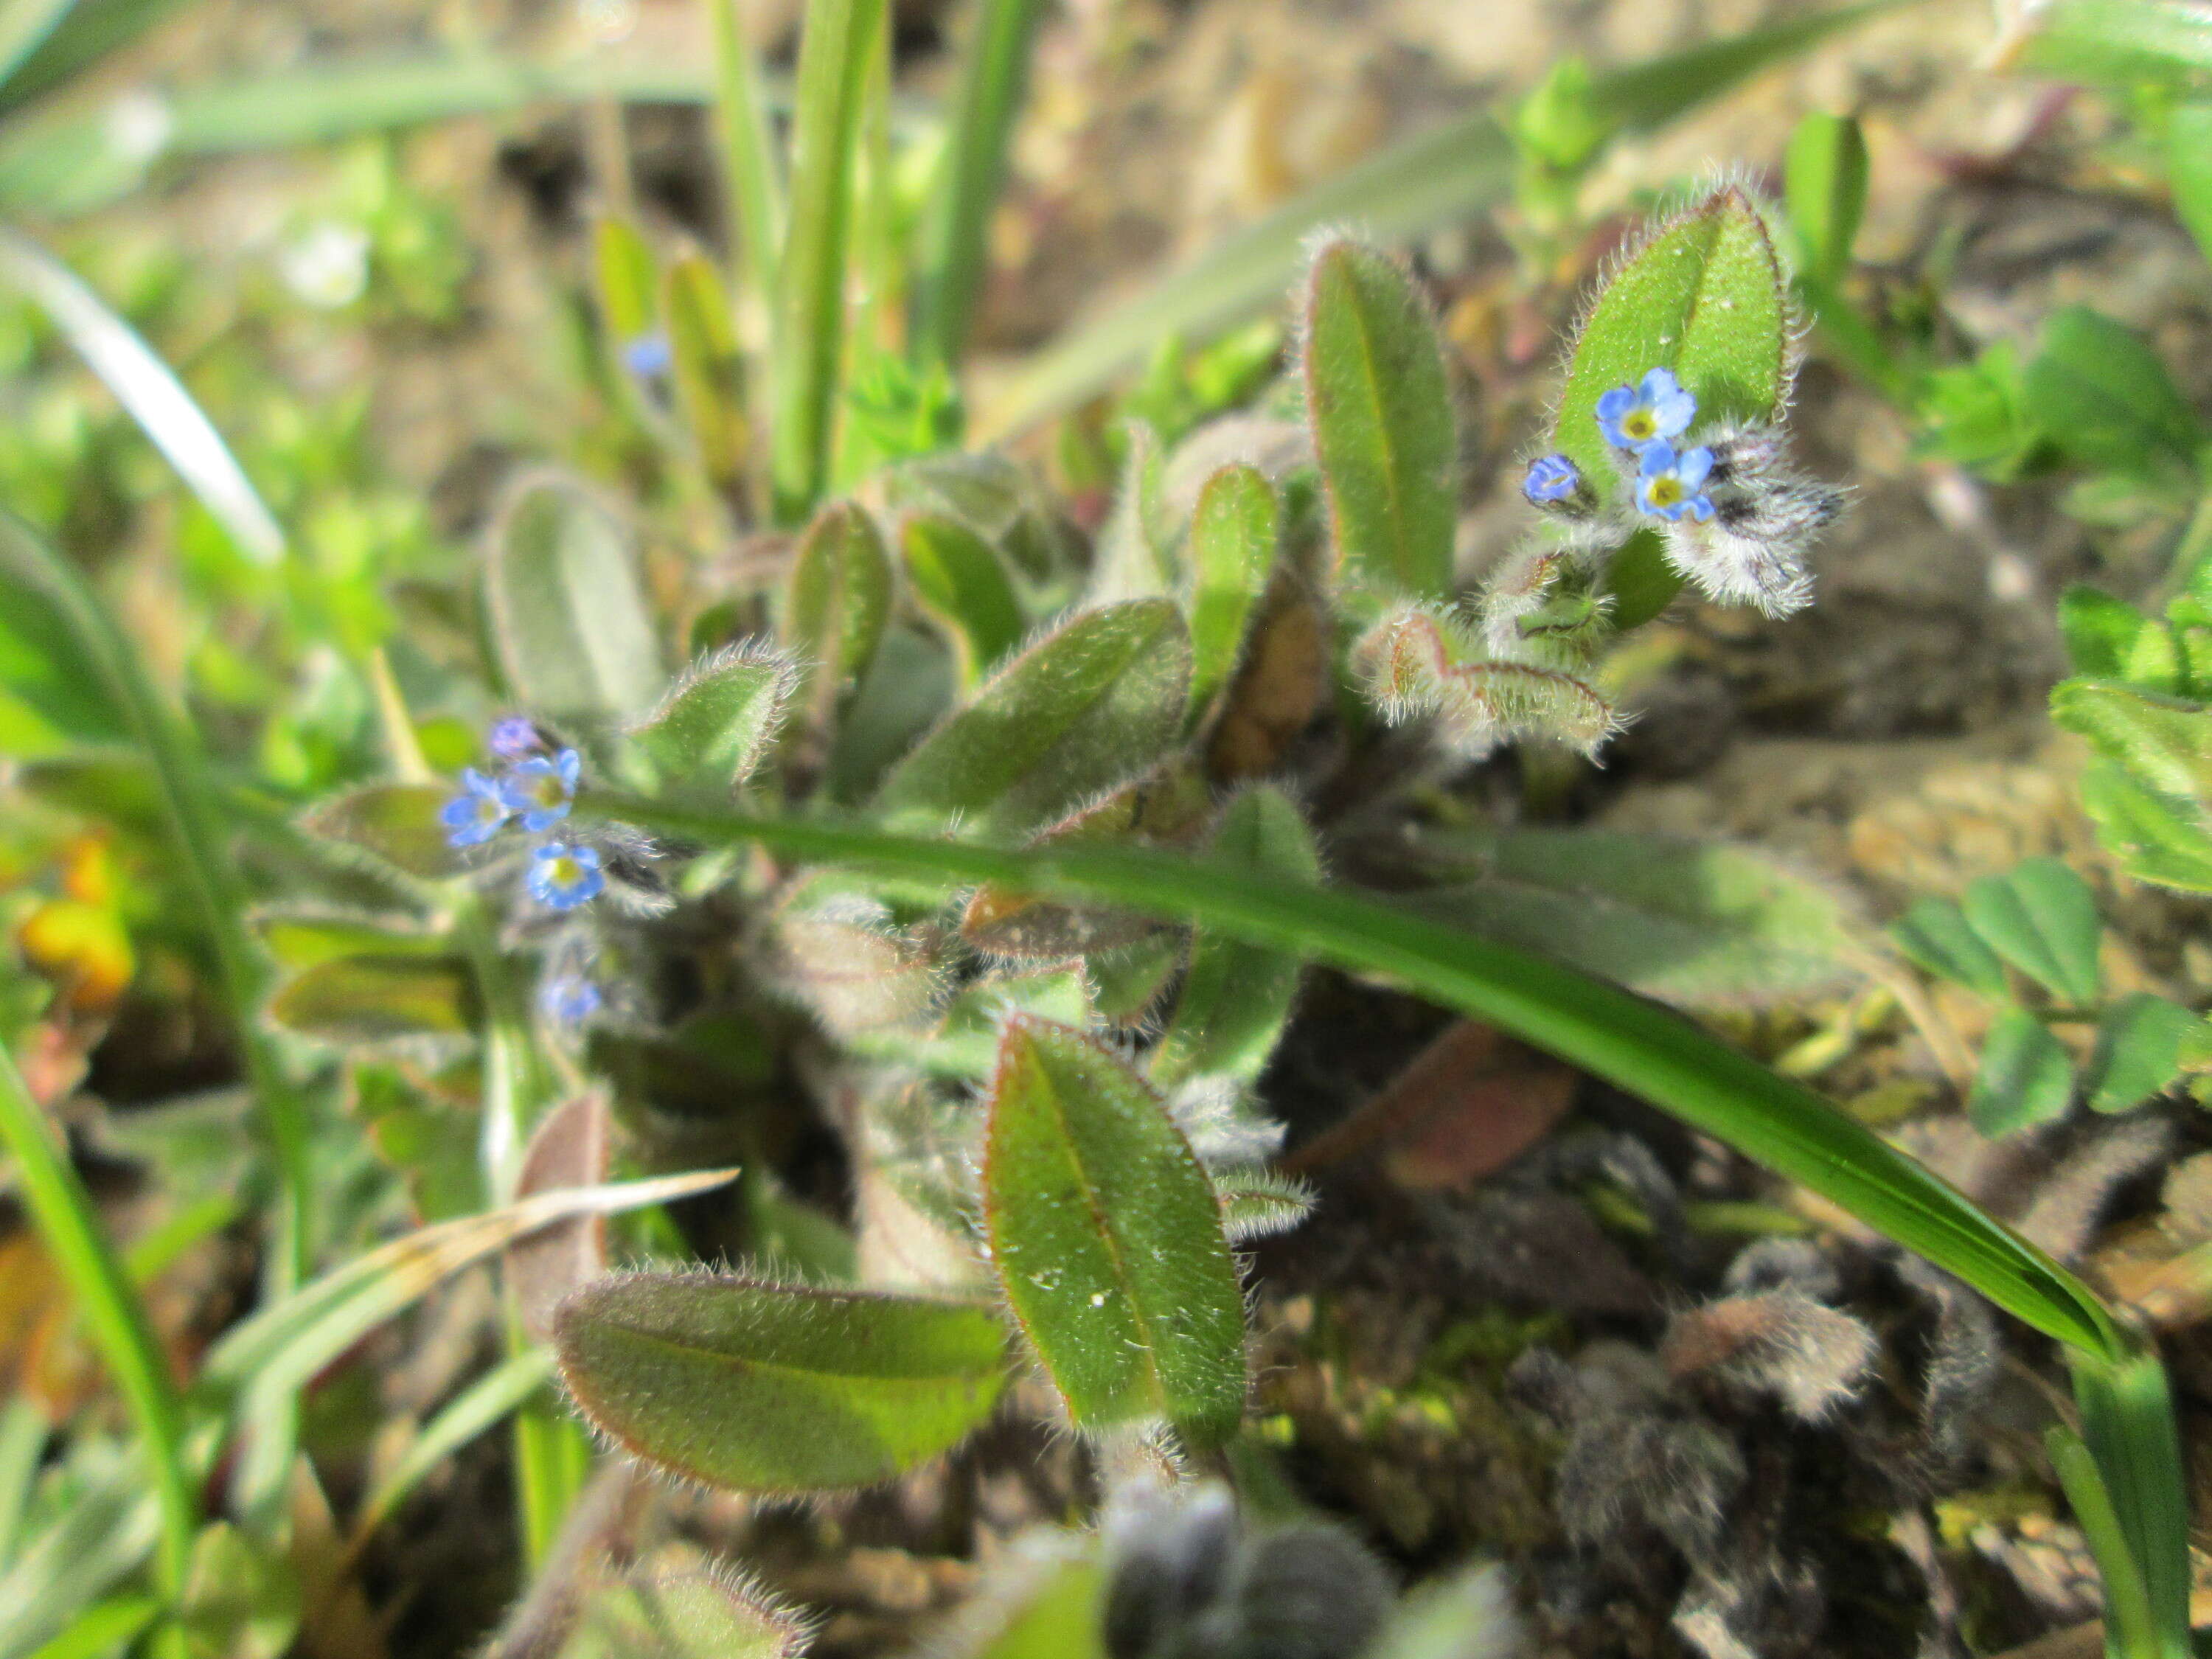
<point x="838" y="600"/>
<point x="1237" y="996"/>
<point x="1702" y="296"/>
<point x="716" y="720"/>
<point x="303" y="939"/>
<point x="667" y="1611"/>
<point x="2042" y="918"/>
<point x="1232" y="554"/>
<point x="778" y="1387"/>
<point x="1380" y="406"/>
<point x="2188" y="169"/>
<point x="396" y="823"/>
<point x="2025" y="1077"/>
<point x="628" y="280"/>
<point x="574" y="637"/>
<point x="1095" y="702"/>
<point x="2141" y="1039"/>
<point x="1107" y="1239"/>
<point x="2157" y="837"/>
<point x="373" y="998"/>
<point x="1694" y="922"/>
<point x="959" y="582"/>
<point x="2163" y="742"/>
<point x="54" y="696"/>
<point x="1935" y="935"/>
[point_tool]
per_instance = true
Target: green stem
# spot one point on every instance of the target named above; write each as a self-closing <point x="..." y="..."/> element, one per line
<point x="749" y="162"/>
<point x="63" y="1213"/>
<point x="548" y="1469"/>
<point x="955" y="236"/>
<point x="1612" y="1034"/>
<point x="810" y="333"/>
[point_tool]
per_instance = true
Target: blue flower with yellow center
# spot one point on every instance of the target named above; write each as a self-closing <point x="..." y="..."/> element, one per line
<point x="1671" y="485"/>
<point x="563" y="877"/>
<point x="474" y="816"/>
<point x="1551" y="479"/>
<point x="542" y="789"/>
<point x="1655" y="409"/>
<point x="648" y="356"/>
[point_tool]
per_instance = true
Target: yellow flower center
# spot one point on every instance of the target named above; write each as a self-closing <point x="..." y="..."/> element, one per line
<point x="1639" y="423"/>
<point x="546" y="790"/>
<point x="564" y="873"/>
<point x="1665" y="490"/>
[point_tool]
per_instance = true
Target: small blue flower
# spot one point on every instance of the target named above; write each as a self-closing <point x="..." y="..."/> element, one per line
<point x="1552" y="479"/>
<point x="542" y="789"/>
<point x="563" y="877"/>
<point x="515" y="738"/>
<point x="1655" y="409"/>
<point x="1670" y="485"/>
<point x="474" y="816"/>
<point x="569" y="999"/>
<point x="648" y="355"/>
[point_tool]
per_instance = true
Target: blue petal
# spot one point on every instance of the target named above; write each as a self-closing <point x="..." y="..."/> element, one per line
<point x="570" y="766"/>
<point x="1692" y="466"/>
<point x="544" y="817"/>
<point x="1659" y="385"/>
<point x="1673" y="413"/>
<point x="1656" y="458"/>
<point x="1699" y="508"/>
<point x="1615" y="403"/>
<point x="477" y="784"/>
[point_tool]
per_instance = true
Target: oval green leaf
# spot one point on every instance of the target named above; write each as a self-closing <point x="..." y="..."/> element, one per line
<point x="376" y="999"/>
<point x="960" y="582"/>
<point x="1237" y="996"/>
<point x="2025" y="1079"/>
<point x="778" y="1387"/>
<point x="1381" y="410"/>
<point x="1232" y="553"/>
<point x="1703" y="296"/>
<point x="571" y="624"/>
<point x="716" y="720"/>
<point x="838" y="598"/>
<point x="1095" y="702"/>
<point x="1107" y="1239"/>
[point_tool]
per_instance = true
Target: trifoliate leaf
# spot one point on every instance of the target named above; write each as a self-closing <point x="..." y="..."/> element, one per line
<point x="1935" y="935"/>
<point x="2140" y="1041"/>
<point x="2042" y="918"/>
<point x="2025" y="1079"/>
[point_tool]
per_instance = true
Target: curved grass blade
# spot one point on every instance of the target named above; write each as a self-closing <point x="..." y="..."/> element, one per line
<point x="480" y="1407"/>
<point x="62" y="1210"/>
<point x="1425" y="182"/>
<point x="750" y="171"/>
<point x="1636" y="1045"/>
<point x="2128" y="1422"/>
<point x="72" y="39"/>
<point x="950" y="279"/>
<point x="142" y="384"/>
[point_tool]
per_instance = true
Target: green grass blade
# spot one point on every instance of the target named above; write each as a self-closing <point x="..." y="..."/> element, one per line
<point x="195" y="820"/>
<point x="25" y="25"/>
<point x="954" y="233"/>
<point x="1415" y="187"/>
<point x="73" y="162"/>
<point x="1636" y="1045"/>
<point x="750" y="171"/>
<point x="74" y="40"/>
<point x="143" y="385"/>
<point x="63" y="1212"/>
<point x="502" y="1389"/>
<point x="833" y="56"/>
<point x="2127" y="1419"/>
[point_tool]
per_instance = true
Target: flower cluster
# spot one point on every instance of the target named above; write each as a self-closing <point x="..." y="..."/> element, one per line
<point x="535" y="790"/>
<point x="1737" y="520"/>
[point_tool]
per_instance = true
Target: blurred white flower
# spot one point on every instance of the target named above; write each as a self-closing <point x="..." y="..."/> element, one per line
<point x="139" y="125"/>
<point x="327" y="264"/>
